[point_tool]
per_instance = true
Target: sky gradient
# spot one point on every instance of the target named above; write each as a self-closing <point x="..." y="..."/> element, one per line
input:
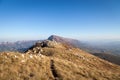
<point x="80" y="19"/>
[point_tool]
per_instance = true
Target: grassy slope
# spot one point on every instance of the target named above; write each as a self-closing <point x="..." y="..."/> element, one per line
<point x="56" y="63"/>
<point x="76" y="64"/>
<point x="24" y="68"/>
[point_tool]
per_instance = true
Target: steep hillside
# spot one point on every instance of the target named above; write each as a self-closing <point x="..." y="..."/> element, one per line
<point x="51" y="60"/>
<point x="102" y="50"/>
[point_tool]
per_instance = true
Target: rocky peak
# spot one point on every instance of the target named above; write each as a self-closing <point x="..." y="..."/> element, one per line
<point x="54" y="38"/>
<point x="67" y="41"/>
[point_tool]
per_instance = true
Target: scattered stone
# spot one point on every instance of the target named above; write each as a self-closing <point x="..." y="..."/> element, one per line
<point x="31" y="56"/>
<point x="39" y="54"/>
<point x="35" y="51"/>
<point x="41" y="50"/>
<point x="15" y="56"/>
<point x="22" y="61"/>
<point x="7" y="53"/>
<point x="23" y="55"/>
<point x="35" y="56"/>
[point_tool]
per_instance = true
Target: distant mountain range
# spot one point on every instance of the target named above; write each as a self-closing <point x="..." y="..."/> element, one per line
<point x="108" y="51"/>
<point x="20" y="46"/>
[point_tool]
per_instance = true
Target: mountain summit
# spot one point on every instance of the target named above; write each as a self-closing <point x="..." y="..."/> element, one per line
<point x="68" y="41"/>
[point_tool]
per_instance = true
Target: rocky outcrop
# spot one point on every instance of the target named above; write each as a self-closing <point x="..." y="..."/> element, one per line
<point x="48" y="43"/>
<point x="38" y="47"/>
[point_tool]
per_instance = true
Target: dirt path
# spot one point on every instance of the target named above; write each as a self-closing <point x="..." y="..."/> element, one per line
<point x="54" y="71"/>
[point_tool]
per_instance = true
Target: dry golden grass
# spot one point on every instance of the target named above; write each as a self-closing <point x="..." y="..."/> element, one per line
<point x="71" y="71"/>
<point x="22" y="67"/>
<point x="56" y="63"/>
<point x="72" y="64"/>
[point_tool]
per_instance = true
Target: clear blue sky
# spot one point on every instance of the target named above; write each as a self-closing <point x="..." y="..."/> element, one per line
<point x="81" y="19"/>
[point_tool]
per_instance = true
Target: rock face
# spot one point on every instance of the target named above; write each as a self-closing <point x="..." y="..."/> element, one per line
<point x="51" y="60"/>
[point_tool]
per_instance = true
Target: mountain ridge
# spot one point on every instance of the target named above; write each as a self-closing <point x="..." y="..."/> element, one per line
<point x="51" y="60"/>
<point x="23" y="46"/>
<point x="93" y="50"/>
